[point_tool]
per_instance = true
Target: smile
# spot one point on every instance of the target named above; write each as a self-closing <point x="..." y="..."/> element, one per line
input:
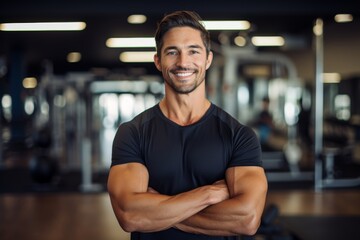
<point x="184" y="74"/>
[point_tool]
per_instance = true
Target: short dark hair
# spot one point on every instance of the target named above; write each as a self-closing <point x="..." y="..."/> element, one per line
<point x="181" y="19"/>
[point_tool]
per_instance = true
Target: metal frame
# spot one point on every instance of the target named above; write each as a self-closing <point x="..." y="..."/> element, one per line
<point x="324" y="157"/>
<point x="234" y="55"/>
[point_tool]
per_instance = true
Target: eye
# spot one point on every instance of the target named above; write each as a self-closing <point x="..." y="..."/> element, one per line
<point x="194" y="52"/>
<point x="171" y="53"/>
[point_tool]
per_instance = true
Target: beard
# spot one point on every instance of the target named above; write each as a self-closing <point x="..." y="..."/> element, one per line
<point x="183" y="89"/>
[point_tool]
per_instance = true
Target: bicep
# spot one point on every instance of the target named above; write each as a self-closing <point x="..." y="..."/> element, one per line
<point x="126" y="179"/>
<point x="249" y="182"/>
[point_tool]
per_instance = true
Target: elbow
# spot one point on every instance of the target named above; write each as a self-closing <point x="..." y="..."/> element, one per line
<point x="252" y="226"/>
<point x="129" y="223"/>
<point x="127" y="227"/>
<point x="126" y="219"/>
<point x="248" y="225"/>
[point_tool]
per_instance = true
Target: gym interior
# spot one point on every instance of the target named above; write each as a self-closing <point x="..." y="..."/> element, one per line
<point x="63" y="93"/>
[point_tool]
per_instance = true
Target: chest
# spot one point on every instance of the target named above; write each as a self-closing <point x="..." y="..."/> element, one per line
<point x="188" y="157"/>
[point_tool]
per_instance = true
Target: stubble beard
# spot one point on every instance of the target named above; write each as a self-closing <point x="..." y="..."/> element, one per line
<point x="184" y="89"/>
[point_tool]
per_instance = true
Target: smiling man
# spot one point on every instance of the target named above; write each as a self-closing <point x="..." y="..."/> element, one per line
<point x="185" y="169"/>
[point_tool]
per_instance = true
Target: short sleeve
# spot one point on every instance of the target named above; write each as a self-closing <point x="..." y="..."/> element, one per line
<point x="126" y="145"/>
<point x="247" y="149"/>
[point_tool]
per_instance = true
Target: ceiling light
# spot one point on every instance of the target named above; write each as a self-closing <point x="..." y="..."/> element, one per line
<point x="43" y="26"/>
<point x="331" y="77"/>
<point x="262" y="41"/>
<point x="341" y="18"/>
<point x="136" y="19"/>
<point x="318" y="27"/>
<point x="137" y="56"/>
<point x="29" y="82"/>
<point x="73" y="57"/>
<point x="130" y="42"/>
<point x="227" y="25"/>
<point x="240" y="41"/>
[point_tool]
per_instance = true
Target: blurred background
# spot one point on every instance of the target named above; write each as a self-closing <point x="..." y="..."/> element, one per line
<point x="290" y="70"/>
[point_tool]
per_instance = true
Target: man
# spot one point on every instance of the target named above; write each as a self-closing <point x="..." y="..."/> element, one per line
<point x="185" y="169"/>
<point x="265" y="126"/>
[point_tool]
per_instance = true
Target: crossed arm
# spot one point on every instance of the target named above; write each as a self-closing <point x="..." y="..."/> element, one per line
<point x="222" y="209"/>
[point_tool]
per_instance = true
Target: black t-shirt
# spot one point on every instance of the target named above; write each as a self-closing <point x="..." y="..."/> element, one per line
<point x="181" y="158"/>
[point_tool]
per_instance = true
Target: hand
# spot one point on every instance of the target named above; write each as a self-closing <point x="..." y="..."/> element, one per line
<point x="220" y="191"/>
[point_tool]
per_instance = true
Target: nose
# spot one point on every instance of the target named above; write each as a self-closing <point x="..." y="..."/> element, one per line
<point x="183" y="60"/>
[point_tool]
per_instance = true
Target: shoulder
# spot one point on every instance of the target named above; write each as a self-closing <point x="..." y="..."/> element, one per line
<point x="134" y="126"/>
<point x="228" y="120"/>
<point x="240" y="132"/>
<point x="142" y="118"/>
<point x="244" y="143"/>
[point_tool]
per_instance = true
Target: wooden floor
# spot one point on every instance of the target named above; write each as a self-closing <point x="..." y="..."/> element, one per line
<point x="77" y="216"/>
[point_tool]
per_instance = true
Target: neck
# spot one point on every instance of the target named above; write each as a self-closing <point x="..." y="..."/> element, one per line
<point x="184" y="112"/>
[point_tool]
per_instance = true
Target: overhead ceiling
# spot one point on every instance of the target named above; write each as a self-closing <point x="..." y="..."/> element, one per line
<point x="108" y="18"/>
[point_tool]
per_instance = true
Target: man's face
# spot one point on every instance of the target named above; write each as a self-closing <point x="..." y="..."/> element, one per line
<point x="183" y="61"/>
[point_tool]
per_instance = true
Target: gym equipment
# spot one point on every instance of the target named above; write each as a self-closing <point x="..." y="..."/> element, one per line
<point x="238" y="95"/>
<point x="324" y="155"/>
<point x="43" y="168"/>
<point x="42" y="137"/>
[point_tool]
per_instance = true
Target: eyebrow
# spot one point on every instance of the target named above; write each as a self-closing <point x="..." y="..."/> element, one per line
<point x="196" y="46"/>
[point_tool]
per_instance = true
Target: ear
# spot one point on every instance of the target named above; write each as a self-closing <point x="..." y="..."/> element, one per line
<point x="157" y="62"/>
<point x="209" y="60"/>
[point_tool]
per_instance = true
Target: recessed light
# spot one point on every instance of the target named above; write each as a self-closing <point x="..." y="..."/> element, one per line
<point x="43" y="26"/>
<point x="130" y="42"/>
<point x="137" y="56"/>
<point x="261" y="41"/>
<point x="240" y="41"/>
<point x="73" y="57"/>
<point x="136" y="19"/>
<point x="331" y="77"/>
<point x="29" y="82"/>
<point x="342" y="18"/>
<point x="227" y="25"/>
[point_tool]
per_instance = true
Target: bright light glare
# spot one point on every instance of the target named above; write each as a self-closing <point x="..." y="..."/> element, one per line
<point x="130" y="42"/>
<point x="331" y="77"/>
<point x="268" y="41"/>
<point x="243" y="95"/>
<point x="137" y="56"/>
<point x="240" y="41"/>
<point x="342" y="18"/>
<point x="318" y="27"/>
<point x="227" y="25"/>
<point x="127" y="106"/>
<point x="342" y="106"/>
<point x="29" y="82"/>
<point x="290" y="111"/>
<point x="73" y="57"/>
<point x="43" y="26"/>
<point x="29" y="105"/>
<point x="136" y="19"/>
<point x="6" y="101"/>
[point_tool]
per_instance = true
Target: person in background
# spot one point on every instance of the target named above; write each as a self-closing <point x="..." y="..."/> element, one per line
<point x="264" y="124"/>
<point x="186" y="169"/>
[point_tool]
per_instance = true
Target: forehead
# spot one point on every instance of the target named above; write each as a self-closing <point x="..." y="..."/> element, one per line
<point x="179" y="36"/>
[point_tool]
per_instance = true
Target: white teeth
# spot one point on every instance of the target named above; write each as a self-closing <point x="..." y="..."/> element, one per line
<point x="183" y="74"/>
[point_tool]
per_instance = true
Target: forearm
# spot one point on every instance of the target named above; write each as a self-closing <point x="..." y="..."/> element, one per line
<point x="227" y="218"/>
<point x="148" y="212"/>
<point x="241" y="214"/>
